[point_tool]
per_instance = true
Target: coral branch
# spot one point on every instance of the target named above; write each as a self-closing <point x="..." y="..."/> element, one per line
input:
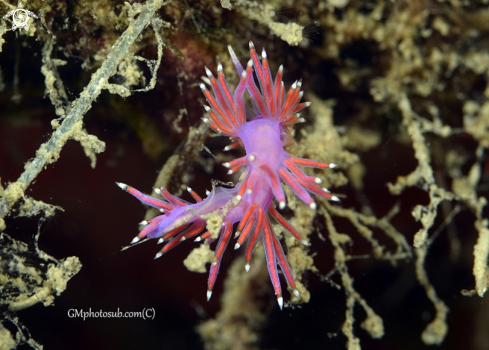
<point x="49" y="151"/>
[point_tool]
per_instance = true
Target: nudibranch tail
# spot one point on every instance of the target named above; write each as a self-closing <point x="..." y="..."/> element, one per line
<point x="179" y="223"/>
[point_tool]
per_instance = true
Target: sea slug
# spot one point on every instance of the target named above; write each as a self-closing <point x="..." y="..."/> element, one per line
<point x="263" y="130"/>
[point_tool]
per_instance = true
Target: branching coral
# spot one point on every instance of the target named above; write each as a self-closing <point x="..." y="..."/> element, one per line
<point x="27" y="277"/>
<point x="403" y="77"/>
<point x="71" y="125"/>
<point x="31" y="286"/>
<point x="25" y="281"/>
<point x="414" y="74"/>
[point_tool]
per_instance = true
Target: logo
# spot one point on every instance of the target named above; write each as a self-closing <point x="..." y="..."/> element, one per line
<point x="20" y="17"/>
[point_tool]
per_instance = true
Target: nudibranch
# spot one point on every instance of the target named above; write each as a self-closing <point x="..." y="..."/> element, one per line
<point x="262" y="130"/>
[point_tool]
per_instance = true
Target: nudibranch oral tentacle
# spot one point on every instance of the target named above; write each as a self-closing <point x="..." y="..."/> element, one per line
<point x="262" y="131"/>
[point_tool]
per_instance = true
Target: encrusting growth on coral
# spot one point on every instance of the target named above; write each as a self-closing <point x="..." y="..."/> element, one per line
<point x="263" y="132"/>
<point x="28" y="276"/>
<point x="49" y="152"/>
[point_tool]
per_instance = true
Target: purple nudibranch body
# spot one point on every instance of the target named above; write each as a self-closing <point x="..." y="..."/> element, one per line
<point x="262" y="130"/>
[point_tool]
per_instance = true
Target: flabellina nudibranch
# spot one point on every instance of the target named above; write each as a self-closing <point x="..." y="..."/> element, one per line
<point x="262" y="131"/>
